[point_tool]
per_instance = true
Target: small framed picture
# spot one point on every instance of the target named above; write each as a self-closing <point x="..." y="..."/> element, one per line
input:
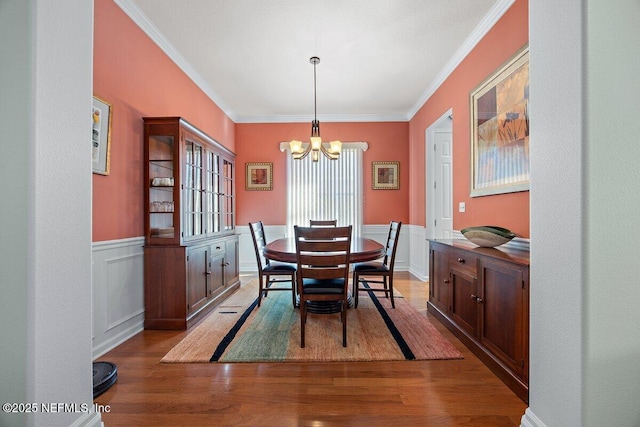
<point x="259" y="176"/>
<point x="386" y="175"/>
<point x="100" y="135"/>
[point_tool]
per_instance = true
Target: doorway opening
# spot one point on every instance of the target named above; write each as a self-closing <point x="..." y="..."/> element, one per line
<point x="439" y="185"/>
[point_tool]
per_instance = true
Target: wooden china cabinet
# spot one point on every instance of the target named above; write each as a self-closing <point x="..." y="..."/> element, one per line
<point x="191" y="251"/>
<point x="482" y="296"/>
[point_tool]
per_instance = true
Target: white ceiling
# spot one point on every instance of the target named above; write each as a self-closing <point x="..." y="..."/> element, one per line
<point x="379" y="59"/>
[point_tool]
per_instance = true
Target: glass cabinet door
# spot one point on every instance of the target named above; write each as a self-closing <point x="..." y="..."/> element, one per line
<point x="161" y="187"/>
<point x="228" y="201"/>
<point x="193" y="189"/>
<point x="189" y="193"/>
<point x="212" y="195"/>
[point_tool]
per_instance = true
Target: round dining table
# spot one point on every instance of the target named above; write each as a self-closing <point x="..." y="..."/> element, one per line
<point x="362" y="250"/>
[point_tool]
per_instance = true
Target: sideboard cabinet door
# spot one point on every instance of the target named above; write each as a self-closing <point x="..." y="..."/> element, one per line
<point x="505" y="314"/>
<point x="464" y="304"/>
<point x="439" y="278"/>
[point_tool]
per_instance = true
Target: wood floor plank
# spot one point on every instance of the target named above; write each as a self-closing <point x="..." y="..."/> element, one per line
<point x="430" y="393"/>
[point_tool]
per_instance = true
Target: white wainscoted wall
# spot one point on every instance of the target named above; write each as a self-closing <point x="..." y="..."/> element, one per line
<point x="118" y="275"/>
<point x="118" y="292"/>
<point x="418" y="252"/>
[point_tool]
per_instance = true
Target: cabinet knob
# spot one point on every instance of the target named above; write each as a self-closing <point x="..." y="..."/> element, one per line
<point x="461" y="260"/>
<point x="207" y="272"/>
<point x="477" y="299"/>
<point x="446" y="280"/>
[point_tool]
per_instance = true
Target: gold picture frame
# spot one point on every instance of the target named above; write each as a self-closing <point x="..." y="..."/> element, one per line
<point x="500" y="130"/>
<point x="385" y="175"/>
<point x="101" y="135"/>
<point x="259" y="176"/>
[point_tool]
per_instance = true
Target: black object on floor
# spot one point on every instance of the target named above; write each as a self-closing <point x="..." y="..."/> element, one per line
<point x="105" y="375"/>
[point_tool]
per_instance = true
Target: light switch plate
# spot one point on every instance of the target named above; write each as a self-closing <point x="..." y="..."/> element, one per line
<point x="462" y="207"/>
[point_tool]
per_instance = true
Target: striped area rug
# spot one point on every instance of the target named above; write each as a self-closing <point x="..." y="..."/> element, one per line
<point x="240" y="331"/>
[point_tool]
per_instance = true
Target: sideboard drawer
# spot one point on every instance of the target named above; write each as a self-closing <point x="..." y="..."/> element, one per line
<point x="464" y="261"/>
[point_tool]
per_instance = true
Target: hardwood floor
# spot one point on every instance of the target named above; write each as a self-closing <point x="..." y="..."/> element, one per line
<point x="413" y="393"/>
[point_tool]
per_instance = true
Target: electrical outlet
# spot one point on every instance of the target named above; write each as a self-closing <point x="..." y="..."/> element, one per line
<point x="462" y="207"/>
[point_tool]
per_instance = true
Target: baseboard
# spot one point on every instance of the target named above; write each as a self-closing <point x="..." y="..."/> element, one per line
<point x="89" y="419"/>
<point x="116" y="340"/>
<point x="530" y="420"/>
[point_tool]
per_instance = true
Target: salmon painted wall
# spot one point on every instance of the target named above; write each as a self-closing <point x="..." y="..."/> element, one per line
<point x="133" y="74"/>
<point x="507" y="210"/>
<point x="260" y="142"/>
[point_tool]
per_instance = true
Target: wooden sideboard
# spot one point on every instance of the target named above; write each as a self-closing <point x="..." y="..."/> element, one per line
<point x="482" y="296"/>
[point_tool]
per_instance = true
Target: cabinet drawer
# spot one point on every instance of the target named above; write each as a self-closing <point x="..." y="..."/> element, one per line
<point x="463" y="261"/>
<point x="217" y="248"/>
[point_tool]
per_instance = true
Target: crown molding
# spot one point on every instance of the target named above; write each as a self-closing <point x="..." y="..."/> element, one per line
<point x="474" y="38"/>
<point x="140" y="19"/>
<point x="327" y="118"/>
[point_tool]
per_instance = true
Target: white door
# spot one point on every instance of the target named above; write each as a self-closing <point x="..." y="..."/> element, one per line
<point x="439" y="177"/>
<point x="442" y="191"/>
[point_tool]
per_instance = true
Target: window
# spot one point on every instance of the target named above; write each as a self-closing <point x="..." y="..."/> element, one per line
<point x="327" y="189"/>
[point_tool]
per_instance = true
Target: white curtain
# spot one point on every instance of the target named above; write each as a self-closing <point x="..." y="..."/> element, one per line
<point x="327" y="189"/>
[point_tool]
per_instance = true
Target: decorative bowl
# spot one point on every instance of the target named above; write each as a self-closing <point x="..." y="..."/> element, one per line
<point x="488" y="236"/>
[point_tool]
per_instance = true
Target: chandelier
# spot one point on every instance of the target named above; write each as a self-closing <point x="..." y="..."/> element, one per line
<point x="315" y="146"/>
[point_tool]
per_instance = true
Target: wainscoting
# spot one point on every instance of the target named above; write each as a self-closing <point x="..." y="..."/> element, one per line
<point x="118" y="284"/>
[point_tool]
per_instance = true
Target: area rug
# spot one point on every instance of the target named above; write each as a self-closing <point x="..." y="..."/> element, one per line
<point x="240" y="331"/>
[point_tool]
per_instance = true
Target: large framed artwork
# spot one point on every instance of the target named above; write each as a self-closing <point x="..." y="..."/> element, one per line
<point x="100" y="135"/>
<point x="500" y="130"/>
<point x="259" y="176"/>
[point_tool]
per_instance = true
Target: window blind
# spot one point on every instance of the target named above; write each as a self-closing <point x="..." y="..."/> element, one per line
<point x="327" y="189"/>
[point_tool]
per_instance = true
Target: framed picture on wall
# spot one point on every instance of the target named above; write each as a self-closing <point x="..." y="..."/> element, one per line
<point x="259" y="176"/>
<point x="386" y="175"/>
<point x="100" y="135"/>
<point x="500" y="130"/>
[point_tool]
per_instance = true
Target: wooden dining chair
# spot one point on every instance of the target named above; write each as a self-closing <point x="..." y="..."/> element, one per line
<point x="378" y="272"/>
<point x="271" y="272"/>
<point x="323" y="222"/>
<point x="323" y="270"/>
